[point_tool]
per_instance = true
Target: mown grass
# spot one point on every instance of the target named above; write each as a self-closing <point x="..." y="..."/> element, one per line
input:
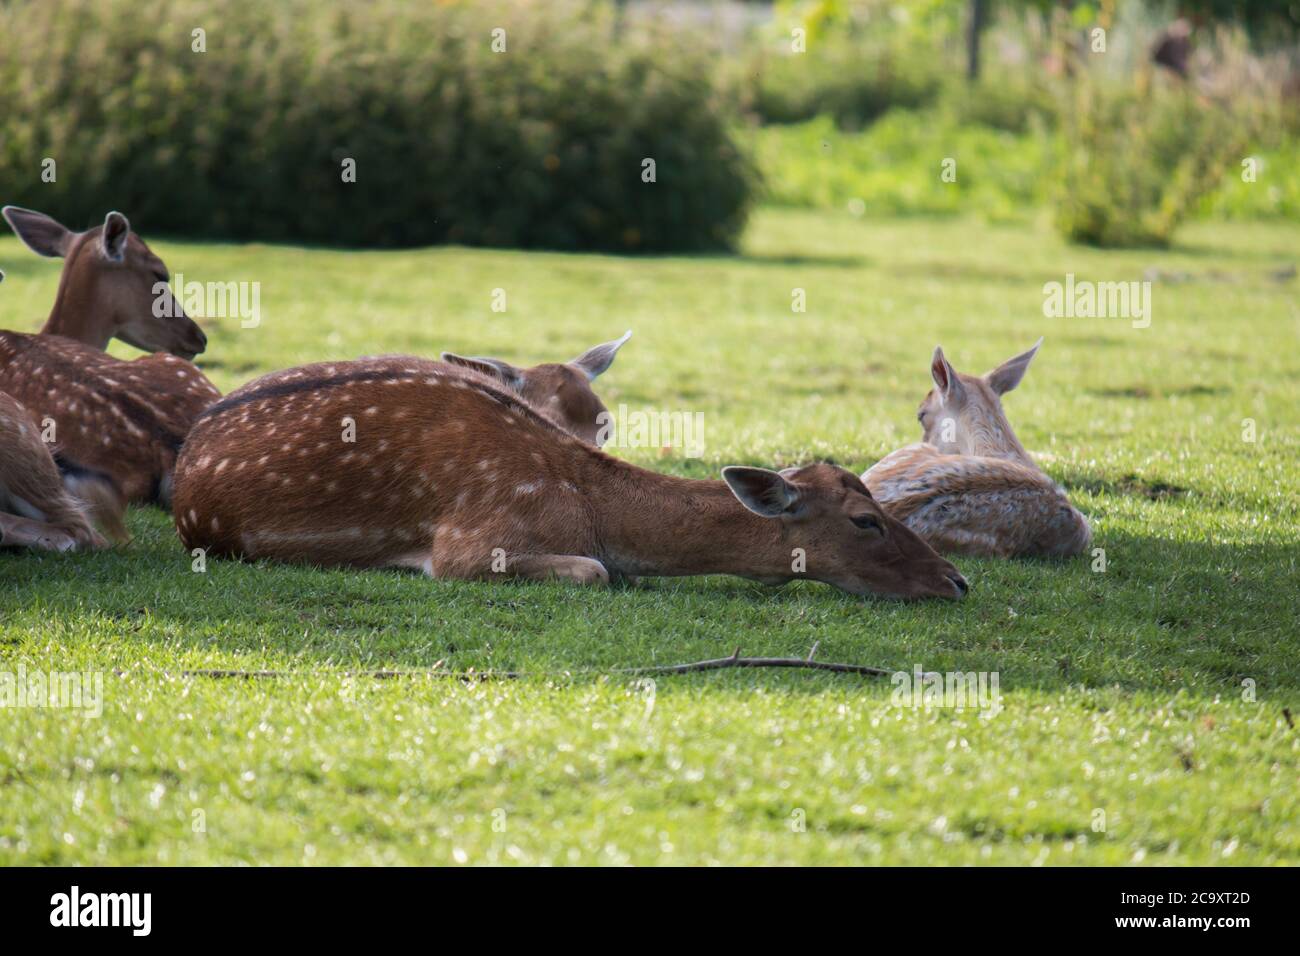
<point x="1142" y="711"/>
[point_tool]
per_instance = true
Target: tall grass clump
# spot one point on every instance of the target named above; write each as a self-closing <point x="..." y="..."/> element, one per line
<point x="543" y="144"/>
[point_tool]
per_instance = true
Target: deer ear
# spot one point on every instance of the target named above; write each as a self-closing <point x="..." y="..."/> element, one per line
<point x="492" y="368"/>
<point x="596" y="360"/>
<point x="945" y="378"/>
<point x="1008" y="375"/>
<point x="112" y="241"/>
<point x="761" y="491"/>
<point x="39" y="233"/>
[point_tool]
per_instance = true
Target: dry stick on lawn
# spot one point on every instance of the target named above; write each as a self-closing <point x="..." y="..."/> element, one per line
<point x="719" y="663"/>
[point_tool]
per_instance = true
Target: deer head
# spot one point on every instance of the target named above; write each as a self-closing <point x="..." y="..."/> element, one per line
<point x="112" y="286"/>
<point x="962" y="414"/>
<point x="561" y="392"/>
<point x="848" y="538"/>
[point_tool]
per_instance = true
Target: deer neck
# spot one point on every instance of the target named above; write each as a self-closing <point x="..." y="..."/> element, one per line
<point x="74" y="314"/>
<point x="995" y="439"/>
<point x="664" y="526"/>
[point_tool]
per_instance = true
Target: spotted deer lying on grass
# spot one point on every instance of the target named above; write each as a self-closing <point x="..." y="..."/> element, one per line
<point x="44" y="504"/>
<point x="394" y="462"/>
<point x="126" y="419"/>
<point x="47" y="501"/>
<point x="970" y="487"/>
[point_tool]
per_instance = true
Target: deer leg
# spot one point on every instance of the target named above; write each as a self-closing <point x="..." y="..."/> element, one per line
<point x="562" y="567"/>
<point x="446" y="561"/>
<point x="16" y="532"/>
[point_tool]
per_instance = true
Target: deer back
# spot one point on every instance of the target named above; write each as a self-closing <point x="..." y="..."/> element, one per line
<point x="360" y="462"/>
<point x="124" y="418"/>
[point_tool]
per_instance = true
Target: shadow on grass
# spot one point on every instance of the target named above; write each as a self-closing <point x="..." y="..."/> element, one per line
<point x="936" y="269"/>
<point x="1129" y="486"/>
<point x="1164" y="615"/>
<point x="824" y="261"/>
<point x="1143" y="391"/>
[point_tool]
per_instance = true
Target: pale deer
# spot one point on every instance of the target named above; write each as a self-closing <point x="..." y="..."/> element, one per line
<point x="123" y="418"/>
<point x="394" y="462"/>
<point x="969" y="487"/>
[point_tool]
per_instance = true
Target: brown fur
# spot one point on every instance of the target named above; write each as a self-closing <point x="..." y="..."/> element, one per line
<point x="124" y="418"/>
<point x="970" y="487"/>
<point x="36" y="509"/>
<point x="559" y="392"/>
<point x="456" y="477"/>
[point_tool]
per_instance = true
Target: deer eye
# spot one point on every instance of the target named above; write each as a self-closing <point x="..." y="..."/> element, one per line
<point x="867" y="522"/>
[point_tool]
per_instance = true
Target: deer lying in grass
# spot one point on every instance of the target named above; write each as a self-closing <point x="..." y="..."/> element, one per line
<point x="126" y="419"/>
<point x="393" y="462"/>
<point x="970" y="487"/>
<point x="41" y="504"/>
<point x="48" y="504"/>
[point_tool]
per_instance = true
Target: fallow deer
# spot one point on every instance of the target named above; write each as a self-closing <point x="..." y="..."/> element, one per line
<point x="47" y="504"/>
<point x="36" y="508"/>
<point x="969" y="487"/>
<point x="398" y="463"/>
<point x="123" y="418"/>
<point x="560" y="392"/>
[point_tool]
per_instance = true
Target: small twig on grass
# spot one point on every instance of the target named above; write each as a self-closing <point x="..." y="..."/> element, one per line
<point x="719" y="663"/>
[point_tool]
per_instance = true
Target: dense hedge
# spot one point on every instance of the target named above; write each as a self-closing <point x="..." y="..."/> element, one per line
<point x="541" y="145"/>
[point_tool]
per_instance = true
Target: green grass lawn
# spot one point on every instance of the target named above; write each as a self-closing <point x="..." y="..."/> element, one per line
<point x="1127" y="732"/>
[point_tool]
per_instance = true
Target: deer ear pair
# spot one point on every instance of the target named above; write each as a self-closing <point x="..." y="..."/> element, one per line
<point x="1002" y="379"/>
<point x="590" y="363"/>
<point x="46" y="236"/>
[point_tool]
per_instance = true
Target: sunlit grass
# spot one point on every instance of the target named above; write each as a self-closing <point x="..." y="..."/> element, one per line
<point x="1142" y="707"/>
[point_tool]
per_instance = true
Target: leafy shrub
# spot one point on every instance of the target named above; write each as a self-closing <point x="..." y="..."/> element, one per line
<point x="1136" y="164"/>
<point x="541" y="145"/>
<point x="894" y="167"/>
<point x="847" y="78"/>
<point x="1005" y="101"/>
<point x="1274" y="194"/>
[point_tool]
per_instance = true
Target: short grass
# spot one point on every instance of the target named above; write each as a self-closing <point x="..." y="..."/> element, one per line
<point x="1146" y="710"/>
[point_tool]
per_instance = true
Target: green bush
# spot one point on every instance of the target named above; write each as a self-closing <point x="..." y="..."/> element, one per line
<point x="1137" y="163"/>
<point x="542" y="145"/>
<point x="848" y="78"/>
<point x="1002" y="100"/>
<point x="1274" y="193"/>
<point x="894" y="167"/>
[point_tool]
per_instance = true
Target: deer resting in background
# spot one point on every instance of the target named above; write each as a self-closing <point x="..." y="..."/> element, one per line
<point x="970" y="487"/>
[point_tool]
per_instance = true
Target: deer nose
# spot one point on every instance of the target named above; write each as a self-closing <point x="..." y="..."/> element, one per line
<point x="960" y="582"/>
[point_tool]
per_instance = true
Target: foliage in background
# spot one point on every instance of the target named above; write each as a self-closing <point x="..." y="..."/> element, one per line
<point x="539" y="146"/>
<point x="1275" y="193"/>
<point x="851" y="80"/>
<point x="894" y="167"/>
<point x="1124" y="152"/>
<point x="1139" y="163"/>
